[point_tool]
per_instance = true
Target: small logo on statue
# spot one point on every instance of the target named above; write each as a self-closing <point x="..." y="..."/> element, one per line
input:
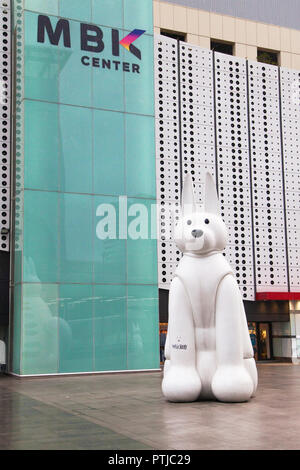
<point x="179" y="346"/>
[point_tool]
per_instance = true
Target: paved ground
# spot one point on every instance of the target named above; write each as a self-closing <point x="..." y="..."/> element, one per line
<point x="128" y="411"/>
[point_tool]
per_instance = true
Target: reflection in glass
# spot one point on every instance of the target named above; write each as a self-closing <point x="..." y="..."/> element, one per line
<point x="110" y="327"/>
<point x="41" y="234"/>
<point x="40" y="325"/>
<point x="143" y="329"/>
<point x="76" y="310"/>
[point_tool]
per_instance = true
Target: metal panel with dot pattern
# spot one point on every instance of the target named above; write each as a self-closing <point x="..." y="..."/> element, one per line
<point x="290" y="110"/>
<point x="5" y="131"/>
<point x="18" y="120"/>
<point x="233" y="166"/>
<point x="197" y="114"/>
<point x="267" y="178"/>
<point x="167" y="154"/>
<point x="229" y="114"/>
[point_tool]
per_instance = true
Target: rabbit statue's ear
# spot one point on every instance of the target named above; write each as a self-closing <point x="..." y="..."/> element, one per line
<point x="211" y="202"/>
<point x="188" y="204"/>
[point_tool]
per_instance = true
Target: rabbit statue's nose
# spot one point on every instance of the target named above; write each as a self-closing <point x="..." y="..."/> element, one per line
<point x="197" y="233"/>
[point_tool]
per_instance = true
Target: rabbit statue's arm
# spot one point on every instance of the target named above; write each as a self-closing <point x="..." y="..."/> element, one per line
<point x="181" y="380"/>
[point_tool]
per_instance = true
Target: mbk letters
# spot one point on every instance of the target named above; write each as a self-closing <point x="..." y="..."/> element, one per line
<point x="91" y="40"/>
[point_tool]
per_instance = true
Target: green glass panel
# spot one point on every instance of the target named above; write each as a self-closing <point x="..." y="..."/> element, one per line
<point x="143" y="344"/>
<point x="76" y="149"/>
<point x="110" y="327"/>
<point x="110" y="250"/>
<point x="40" y="262"/>
<point x="138" y="14"/>
<point x="75" y="9"/>
<point x="40" y="329"/>
<point x="61" y="241"/>
<point x="75" y="80"/>
<point x="75" y="328"/>
<point x="41" y="63"/>
<point x="141" y="249"/>
<point x="43" y="6"/>
<point x="109" y="153"/>
<point x="18" y="259"/>
<point x="140" y="156"/>
<point x="41" y="145"/>
<point x="108" y="13"/>
<point x="108" y="85"/>
<point x="76" y="238"/>
<point x="17" y="329"/>
<point x="139" y="87"/>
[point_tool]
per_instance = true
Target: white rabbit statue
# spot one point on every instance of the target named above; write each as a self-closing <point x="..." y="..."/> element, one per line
<point x="208" y="349"/>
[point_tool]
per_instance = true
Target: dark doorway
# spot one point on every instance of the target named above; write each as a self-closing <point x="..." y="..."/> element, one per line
<point x="261" y="339"/>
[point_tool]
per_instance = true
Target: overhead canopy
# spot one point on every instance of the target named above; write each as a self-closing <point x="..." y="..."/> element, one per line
<point x="277" y="296"/>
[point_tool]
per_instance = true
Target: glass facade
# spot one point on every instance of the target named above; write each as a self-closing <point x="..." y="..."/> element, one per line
<point x="84" y="137"/>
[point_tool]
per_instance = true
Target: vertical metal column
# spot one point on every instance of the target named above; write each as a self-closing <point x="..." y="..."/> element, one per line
<point x="167" y="152"/>
<point x="268" y="207"/>
<point x="290" y="127"/>
<point x="5" y="127"/>
<point x="233" y="166"/>
<point x="197" y="114"/>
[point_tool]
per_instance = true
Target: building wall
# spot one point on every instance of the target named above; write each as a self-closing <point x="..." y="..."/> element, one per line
<point x="201" y="25"/>
<point x="266" y="11"/>
<point x="80" y="304"/>
<point x="84" y="137"/>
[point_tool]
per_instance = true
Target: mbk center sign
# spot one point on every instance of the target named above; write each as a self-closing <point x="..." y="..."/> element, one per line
<point x="92" y="42"/>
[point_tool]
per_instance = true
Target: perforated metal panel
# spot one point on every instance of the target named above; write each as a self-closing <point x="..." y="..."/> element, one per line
<point x="233" y="166"/>
<point x="5" y="106"/>
<point x="197" y="114"/>
<point x="232" y="124"/>
<point x="167" y="154"/>
<point x="18" y="120"/>
<point x="267" y="178"/>
<point x="290" y="109"/>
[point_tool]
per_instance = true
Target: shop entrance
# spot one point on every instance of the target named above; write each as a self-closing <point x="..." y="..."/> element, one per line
<point x="261" y="334"/>
<point x="163" y="329"/>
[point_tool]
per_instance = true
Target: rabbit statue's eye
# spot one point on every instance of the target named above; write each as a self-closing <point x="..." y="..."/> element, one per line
<point x="189" y="222"/>
<point x="206" y="221"/>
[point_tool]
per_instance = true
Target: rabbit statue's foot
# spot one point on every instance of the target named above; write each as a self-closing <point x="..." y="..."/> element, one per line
<point x="181" y="384"/>
<point x="232" y="384"/>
